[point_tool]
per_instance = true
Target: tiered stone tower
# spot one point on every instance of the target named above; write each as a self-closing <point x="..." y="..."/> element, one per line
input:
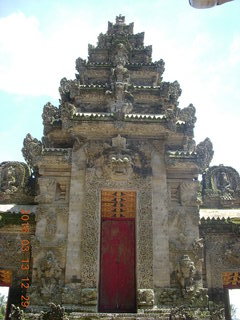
<point x="117" y="217"/>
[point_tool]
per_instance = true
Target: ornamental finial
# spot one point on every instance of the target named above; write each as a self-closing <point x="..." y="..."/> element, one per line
<point x="120" y="19"/>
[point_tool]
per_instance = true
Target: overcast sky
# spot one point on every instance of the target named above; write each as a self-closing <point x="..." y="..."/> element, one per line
<point x="40" y="40"/>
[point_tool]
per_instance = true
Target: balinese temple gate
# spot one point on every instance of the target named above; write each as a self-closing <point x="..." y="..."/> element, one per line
<point x="115" y="193"/>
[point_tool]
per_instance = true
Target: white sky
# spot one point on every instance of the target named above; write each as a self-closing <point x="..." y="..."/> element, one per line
<point x="234" y="295"/>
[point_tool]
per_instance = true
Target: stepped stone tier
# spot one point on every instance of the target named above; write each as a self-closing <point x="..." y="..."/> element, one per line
<point x="113" y="188"/>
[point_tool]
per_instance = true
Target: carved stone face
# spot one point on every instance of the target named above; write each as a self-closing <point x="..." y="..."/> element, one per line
<point x="187" y="266"/>
<point x="119" y="166"/>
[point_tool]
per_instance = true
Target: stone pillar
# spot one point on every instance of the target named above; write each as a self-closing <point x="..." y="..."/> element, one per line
<point x="76" y="202"/>
<point x="161" y="276"/>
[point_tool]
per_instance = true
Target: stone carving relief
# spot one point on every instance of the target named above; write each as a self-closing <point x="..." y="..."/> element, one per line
<point x="48" y="279"/>
<point x="120" y="27"/>
<point x="68" y="89"/>
<point x="51" y="225"/>
<point x="46" y="228"/>
<point x="40" y="212"/>
<point x="145" y="297"/>
<point x="67" y="110"/>
<point x="61" y="190"/>
<point x="188" y="115"/>
<point x="47" y="188"/>
<point x="119" y="74"/>
<point x="181" y="219"/>
<point x="89" y="296"/>
<point x="185" y="274"/>
<point x="189" y="145"/>
<point x="188" y="193"/>
<point x="183" y="312"/>
<point x="119" y="54"/>
<point x="32" y="149"/>
<point x="119" y="93"/>
<point x="14" y="181"/>
<point x="81" y="68"/>
<point x="197" y="248"/>
<point x="72" y="293"/>
<point x="62" y="211"/>
<point x="160" y="69"/>
<point x="173" y="297"/>
<point x="232" y="252"/>
<point x="56" y="312"/>
<point x="49" y="116"/>
<point x="117" y="162"/>
<point x="204" y="154"/>
<point x="221" y="187"/>
<point x="171" y="91"/>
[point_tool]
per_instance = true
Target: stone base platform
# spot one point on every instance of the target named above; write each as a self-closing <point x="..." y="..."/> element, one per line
<point x="162" y="314"/>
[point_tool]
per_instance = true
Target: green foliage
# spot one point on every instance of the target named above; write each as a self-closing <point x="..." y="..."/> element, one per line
<point x="14" y="219"/>
<point x="3" y="303"/>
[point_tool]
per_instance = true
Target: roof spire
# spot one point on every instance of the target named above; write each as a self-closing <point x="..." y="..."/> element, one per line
<point x="120" y="19"/>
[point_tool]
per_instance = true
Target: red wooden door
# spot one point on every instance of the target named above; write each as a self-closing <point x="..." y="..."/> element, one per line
<point x="117" y="279"/>
<point x="117" y="287"/>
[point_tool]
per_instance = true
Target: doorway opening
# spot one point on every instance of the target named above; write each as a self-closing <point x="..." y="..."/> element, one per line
<point x="117" y="283"/>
